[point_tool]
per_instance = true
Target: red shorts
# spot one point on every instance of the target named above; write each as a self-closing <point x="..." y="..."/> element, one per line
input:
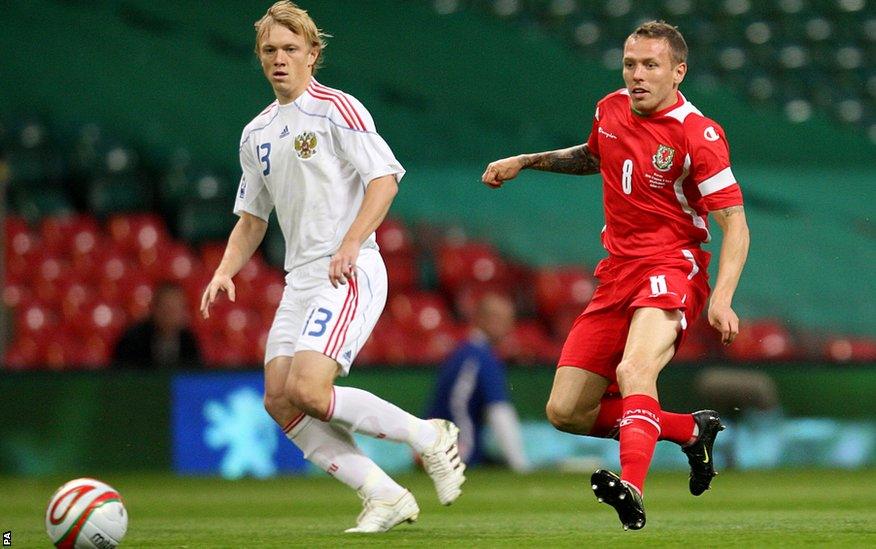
<point x="598" y="336"/>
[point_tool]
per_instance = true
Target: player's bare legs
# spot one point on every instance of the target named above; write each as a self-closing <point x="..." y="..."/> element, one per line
<point x="309" y="387"/>
<point x="650" y="346"/>
<point x="332" y="448"/>
<point x="574" y="403"/>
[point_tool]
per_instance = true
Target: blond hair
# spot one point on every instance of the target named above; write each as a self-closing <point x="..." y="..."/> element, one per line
<point x="289" y="15"/>
<point x="665" y="31"/>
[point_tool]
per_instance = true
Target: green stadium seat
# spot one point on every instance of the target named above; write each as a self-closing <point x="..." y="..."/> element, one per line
<point x="127" y="193"/>
<point x="206" y="220"/>
<point x="36" y="203"/>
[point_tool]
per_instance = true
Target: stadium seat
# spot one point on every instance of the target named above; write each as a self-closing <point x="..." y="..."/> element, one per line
<point x="530" y="343"/>
<point x="850" y="349"/>
<point x="133" y="232"/>
<point x="401" y="271"/>
<point x="469" y="263"/>
<point x="701" y="342"/>
<point x="394" y="238"/>
<point x="204" y="221"/>
<point x="762" y="340"/>
<point x="419" y="312"/>
<point x="21" y="250"/>
<point x="561" y="288"/>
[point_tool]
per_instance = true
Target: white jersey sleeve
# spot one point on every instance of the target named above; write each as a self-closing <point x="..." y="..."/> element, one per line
<point x="253" y="196"/>
<point x="366" y="150"/>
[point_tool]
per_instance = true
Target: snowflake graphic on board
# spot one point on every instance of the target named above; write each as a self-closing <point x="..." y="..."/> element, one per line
<point x="244" y="430"/>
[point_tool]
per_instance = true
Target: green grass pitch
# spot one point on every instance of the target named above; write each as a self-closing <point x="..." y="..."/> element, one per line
<point x="751" y="509"/>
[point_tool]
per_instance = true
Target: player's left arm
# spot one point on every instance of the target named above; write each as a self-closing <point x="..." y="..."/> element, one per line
<point x="734" y="251"/>
<point x="378" y="198"/>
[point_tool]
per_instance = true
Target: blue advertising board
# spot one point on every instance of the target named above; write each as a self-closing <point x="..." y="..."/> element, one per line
<point x="220" y="427"/>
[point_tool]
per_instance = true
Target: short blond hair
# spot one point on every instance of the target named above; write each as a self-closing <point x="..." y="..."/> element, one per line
<point x="662" y="30"/>
<point x="289" y="15"/>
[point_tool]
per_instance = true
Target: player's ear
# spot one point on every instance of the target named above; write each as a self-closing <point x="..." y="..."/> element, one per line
<point x="680" y="71"/>
<point x="313" y="55"/>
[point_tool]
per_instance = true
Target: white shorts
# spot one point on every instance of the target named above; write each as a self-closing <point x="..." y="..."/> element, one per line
<point x="315" y="316"/>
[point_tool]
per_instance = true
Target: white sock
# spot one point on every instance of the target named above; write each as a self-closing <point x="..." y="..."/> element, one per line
<point x="332" y="449"/>
<point x="364" y="413"/>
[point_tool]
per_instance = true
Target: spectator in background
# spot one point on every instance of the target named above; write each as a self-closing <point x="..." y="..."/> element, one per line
<point x="164" y="339"/>
<point x="472" y="390"/>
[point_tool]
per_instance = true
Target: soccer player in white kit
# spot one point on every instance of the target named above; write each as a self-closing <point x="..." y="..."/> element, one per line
<point x="315" y="157"/>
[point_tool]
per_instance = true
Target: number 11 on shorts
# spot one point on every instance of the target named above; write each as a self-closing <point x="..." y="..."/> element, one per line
<point x="658" y="285"/>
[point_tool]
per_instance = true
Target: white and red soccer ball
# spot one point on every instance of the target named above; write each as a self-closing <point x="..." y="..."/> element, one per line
<point x="86" y="514"/>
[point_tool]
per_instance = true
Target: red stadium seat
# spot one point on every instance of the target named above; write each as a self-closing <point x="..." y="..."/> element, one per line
<point x="473" y="263"/>
<point x="850" y="349"/>
<point x="134" y="232"/>
<point x="211" y="255"/>
<point x="394" y="238"/>
<point x="22" y="248"/>
<point x="419" y="312"/>
<point x="529" y="343"/>
<point x="99" y="317"/>
<point x="25" y="353"/>
<point x="16" y="294"/>
<point x="70" y="233"/>
<point x="46" y="276"/>
<point x="561" y="288"/>
<point x="762" y="340"/>
<point x="75" y="295"/>
<point x="701" y="342"/>
<point x="402" y="273"/>
<point x="36" y="319"/>
<point x="169" y="262"/>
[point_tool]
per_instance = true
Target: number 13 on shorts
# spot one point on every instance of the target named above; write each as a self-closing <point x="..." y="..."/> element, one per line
<point x="317" y="322"/>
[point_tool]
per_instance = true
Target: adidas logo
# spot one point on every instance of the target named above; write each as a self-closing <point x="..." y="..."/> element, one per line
<point x="285" y="132"/>
<point x="348" y="355"/>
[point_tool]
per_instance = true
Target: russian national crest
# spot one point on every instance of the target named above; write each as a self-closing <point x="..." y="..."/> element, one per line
<point x="662" y="159"/>
<point x="305" y="145"/>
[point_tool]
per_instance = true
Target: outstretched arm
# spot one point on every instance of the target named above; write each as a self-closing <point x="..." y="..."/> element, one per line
<point x="577" y="160"/>
<point x="245" y="238"/>
<point x="734" y="251"/>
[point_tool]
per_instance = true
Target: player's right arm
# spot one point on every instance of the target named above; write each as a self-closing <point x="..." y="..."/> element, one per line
<point x="253" y="204"/>
<point x="577" y="160"/>
<point x="245" y="238"/>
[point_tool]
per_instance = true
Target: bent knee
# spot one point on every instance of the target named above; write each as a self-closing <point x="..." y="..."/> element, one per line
<point x="275" y="403"/>
<point x="312" y="398"/>
<point x="567" y="418"/>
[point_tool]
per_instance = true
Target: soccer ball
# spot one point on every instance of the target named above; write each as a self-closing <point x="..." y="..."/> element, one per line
<point x="86" y="514"/>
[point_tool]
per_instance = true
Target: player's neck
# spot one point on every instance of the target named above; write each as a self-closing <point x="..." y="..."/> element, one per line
<point x="671" y="102"/>
<point x="294" y="94"/>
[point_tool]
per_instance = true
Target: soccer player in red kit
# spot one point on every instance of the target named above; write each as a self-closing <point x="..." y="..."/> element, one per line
<point x="664" y="168"/>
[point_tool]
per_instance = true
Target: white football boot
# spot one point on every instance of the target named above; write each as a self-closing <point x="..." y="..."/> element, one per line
<point x="442" y="462"/>
<point x="381" y="515"/>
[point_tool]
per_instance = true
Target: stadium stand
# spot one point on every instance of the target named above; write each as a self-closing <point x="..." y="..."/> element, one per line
<point x="114" y="192"/>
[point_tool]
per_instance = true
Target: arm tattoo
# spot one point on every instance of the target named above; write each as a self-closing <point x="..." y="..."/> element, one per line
<point x="728" y="212"/>
<point x="574" y="160"/>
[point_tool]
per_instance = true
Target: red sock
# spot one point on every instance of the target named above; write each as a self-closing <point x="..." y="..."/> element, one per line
<point x="678" y="428"/>
<point x="639" y="431"/>
<point x="606" y="424"/>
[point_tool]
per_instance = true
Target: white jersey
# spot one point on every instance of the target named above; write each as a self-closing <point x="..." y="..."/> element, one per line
<point x="312" y="160"/>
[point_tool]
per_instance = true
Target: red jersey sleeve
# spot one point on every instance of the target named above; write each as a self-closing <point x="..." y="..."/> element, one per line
<point x="710" y="164"/>
<point x="593" y="140"/>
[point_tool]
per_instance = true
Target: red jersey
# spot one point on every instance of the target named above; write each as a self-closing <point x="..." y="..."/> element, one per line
<point x="661" y="176"/>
